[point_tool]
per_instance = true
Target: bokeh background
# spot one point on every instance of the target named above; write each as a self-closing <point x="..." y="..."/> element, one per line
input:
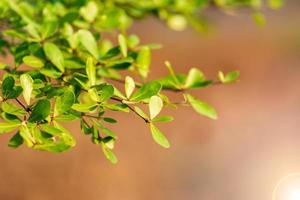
<point x="241" y="156"/>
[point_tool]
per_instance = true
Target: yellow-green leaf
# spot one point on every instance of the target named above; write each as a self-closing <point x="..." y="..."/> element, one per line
<point x="27" y="85"/>
<point x="159" y="137"/>
<point x="202" y="107"/>
<point x="143" y="61"/>
<point x="123" y="45"/>
<point x="129" y="86"/>
<point x="155" y="106"/>
<point x="33" y="61"/>
<point x="54" y="54"/>
<point x="91" y="71"/>
<point x="87" y="40"/>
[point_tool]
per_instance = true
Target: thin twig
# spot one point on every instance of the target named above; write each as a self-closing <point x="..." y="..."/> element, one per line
<point x="132" y="109"/>
<point x="22" y="105"/>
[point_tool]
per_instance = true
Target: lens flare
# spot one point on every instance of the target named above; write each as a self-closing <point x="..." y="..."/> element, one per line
<point x="288" y="188"/>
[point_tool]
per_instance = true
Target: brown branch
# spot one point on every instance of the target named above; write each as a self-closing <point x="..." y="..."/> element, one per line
<point x="23" y="106"/>
<point x="132" y="109"/>
<point x="138" y="85"/>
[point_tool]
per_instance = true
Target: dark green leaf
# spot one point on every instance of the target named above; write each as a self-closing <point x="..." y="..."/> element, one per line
<point x="40" y="111"/>
<point x="15" y="141"/>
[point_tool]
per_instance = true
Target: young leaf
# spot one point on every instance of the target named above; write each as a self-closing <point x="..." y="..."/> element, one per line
<point x="163" y="119"/>
<point x="159" y="137"/>
<point x="25" y="133"/>
<point x="87" y="40"/>
<point x="194" y="78"/>
<point x="12" y="109"/>
<point x="146" y="91"/>
<point x="27" y="85"/>
<point x="229" y="77"/>
<point x="90" y="11"/>
<point x="54" y="54"/>
<point x="275" y="4"/>
<point x="123" y="45"/>
<point x="48" y="28"/>
<point x="259" y="18"/>
<point x="202" y="107"/>
<point x="91" y="71"/>
<point x="143" y="61"/>
<point x="33" y="61"/>
<point x="84" y="107"/>
<point x="155" y="106"/>
<point x="8" y="126"/>
<point x="40" y="111"/>
<point x="109" y="154"/>
<point x="129" y="86"/>
<point x="175" y="79"/>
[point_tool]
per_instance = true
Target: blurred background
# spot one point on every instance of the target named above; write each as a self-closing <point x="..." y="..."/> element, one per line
<point x="241" y="156"/>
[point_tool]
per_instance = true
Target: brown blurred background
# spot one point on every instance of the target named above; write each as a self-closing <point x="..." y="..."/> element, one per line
<point x="241" y="156"/>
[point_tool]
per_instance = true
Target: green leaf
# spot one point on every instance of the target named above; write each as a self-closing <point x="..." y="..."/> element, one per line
<point x="48" y="28"/>
<point x="91" y="71"/>
<point x="275" y="4"/>
<point x="15" y="141"/>
<point x="202" y="107"/>
<point x="176" y="81"/>
<point x="123" y="45"/>
<point x="146" y="91"/>
<point x="133" y="41"/>
<point x="155" y="106"/>
<point x="27" y="85"/>
<point x="64" y="103"/>
<point x="159" y="137"/>
<point x="177" y="22"/>
<point x="12" y="109"/>
<point x="84" y="107"/>
<point x="194" y="78"/>
<point x="54" y="54"/>
<point x="104" y="91"/>
<point x="8" y="126"/>
<point x="54" y="138"/>
<point x="40" y="111"/>
<point x="109" y="154"/>
<point x="129" y="86"/>
<point x="27" y="136"/>
<point x="163" y="119"/>
<point x="143" y="61"/>
<point x="109" y="120"/>
<point x="229" y="77"/>
<point x="259" y="18"/>
<point x="87" y="40"/>
<point x="7" y="86"/>
<point x="89" y="12"/>
<point x="33" y="61"/>
<point x="51" y="71"/>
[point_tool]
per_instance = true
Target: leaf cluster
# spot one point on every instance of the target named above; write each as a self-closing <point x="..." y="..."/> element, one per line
<point x="74" y="61"/>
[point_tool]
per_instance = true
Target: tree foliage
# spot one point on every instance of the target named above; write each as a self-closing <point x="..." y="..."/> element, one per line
<point x="74" y="60"/>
